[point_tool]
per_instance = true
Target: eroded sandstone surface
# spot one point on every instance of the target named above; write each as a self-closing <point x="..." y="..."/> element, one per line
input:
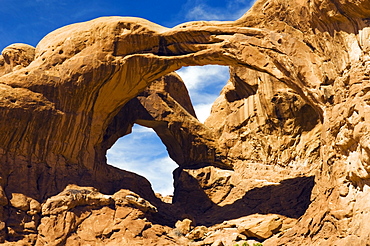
<point x="283" y="159"/>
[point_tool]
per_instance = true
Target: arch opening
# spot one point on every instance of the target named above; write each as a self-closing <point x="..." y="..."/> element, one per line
<point x="143" y="153"/>
<point x="204" y="84"/>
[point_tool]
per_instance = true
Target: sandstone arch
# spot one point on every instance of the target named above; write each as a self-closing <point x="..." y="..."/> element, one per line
<point x="85" y="78"/>
<point x="82" y="76"/>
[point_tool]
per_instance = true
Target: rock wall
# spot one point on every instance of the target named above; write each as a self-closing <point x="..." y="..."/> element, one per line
<point x="283" y="158"/>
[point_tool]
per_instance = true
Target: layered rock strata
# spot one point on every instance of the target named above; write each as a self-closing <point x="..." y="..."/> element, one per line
<point x="285" y="151"/>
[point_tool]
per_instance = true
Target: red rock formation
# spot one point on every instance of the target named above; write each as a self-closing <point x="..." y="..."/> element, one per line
<point x="295" y="109"/>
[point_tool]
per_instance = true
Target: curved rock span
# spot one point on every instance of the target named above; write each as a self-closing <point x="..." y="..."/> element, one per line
<point x="283" y="159"/>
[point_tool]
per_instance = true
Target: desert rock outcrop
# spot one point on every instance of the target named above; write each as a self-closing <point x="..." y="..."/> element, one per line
<point x="283" y="158"/>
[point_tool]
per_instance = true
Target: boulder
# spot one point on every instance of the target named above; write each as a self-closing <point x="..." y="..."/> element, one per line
<point x="184" y="226"/>
<point x="261" y="226"/>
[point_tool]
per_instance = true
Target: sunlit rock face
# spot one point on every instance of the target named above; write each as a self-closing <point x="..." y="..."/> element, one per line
<point x="283" y="158"/>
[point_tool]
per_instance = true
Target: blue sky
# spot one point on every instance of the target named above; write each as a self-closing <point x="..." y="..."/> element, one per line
<point x="26" y="21"/>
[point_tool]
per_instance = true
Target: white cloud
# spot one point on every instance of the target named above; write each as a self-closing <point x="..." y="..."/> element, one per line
<point x="232" y="11"/>
<point x="204" y="84"/>
<point x="202" y="12"/>
<point x="202" y="76"/>
<point x="203" y="111"/>
<point x="143" y="153"/>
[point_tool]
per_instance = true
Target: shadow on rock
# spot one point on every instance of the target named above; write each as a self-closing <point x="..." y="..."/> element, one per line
<point x="290" y="198"/>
